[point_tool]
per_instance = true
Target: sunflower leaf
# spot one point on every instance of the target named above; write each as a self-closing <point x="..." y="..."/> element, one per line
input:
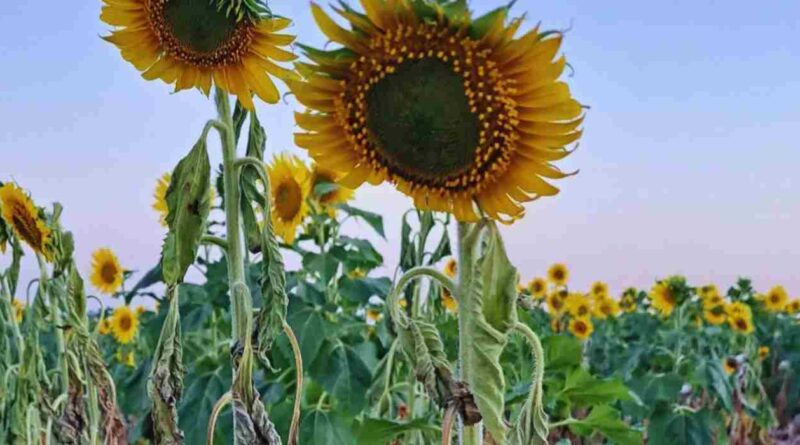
<point x="166" y="379"/>
<point x="189" y="205"/>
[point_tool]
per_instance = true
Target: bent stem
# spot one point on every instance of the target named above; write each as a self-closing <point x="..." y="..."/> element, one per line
<point x="298" y="394"/>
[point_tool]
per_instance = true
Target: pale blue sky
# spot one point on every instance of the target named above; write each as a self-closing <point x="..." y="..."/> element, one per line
<point x="688" y="163"/>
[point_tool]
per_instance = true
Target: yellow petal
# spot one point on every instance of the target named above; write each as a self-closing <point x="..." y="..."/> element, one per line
<point x="334" y="31"/>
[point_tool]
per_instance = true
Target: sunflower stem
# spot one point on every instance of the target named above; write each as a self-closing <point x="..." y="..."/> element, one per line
<point x="467" y="236"/>
<point x="63" y="363"/>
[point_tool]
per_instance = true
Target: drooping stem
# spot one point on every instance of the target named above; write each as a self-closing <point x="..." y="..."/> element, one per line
<point x="467" y="236"/>
<point x="538" y="358"/>
<point x="57" y="322"/>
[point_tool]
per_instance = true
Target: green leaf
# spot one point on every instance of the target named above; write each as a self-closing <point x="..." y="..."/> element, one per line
<point x="481" y="25"/>
<point x="323" y="188"/>
<point x="325" y="265"/>
<point x="152" y="277"/>
<point x="344" y="374"/>
<point x="373" y="431"/>
<point x="607" y="421"/>
<point x="562" y="352"/>
<point x="667" y="427"/>
<point x="309" y="327"/>
<point x="499" y="279"/>
<point x="720" y="383"/>
<point x="373" y="219"/>
<point x="361" y="290"/>
<point x="189" y="205"/>
<point x="319" y="427"/>
<point x="583" y="389"/>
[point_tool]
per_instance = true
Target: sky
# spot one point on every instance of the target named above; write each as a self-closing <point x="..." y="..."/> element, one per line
<point x="688" y="164"/>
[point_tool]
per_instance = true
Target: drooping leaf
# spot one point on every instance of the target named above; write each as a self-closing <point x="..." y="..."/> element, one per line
<point x="166" y="377"/>
<point x="373" y="219"/>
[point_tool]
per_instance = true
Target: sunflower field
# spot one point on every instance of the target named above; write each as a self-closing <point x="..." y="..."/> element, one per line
<point x="220" y="342"/>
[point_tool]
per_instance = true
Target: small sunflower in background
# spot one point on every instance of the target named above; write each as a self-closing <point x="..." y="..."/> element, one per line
<point x="373" y="316"/>
<point x="663" y="300"/>
<point x="599" y="289"/>
<point x="763" y="352"/>
<point x="556" y="304"/>
<point x="741" y="324"/>
<point x="538" y="288"/>
<point x="20" y="213"/>
<point x="329" y="199"/>
<point x="126" y="358"/>
<point x="709" y="290"/>
<point x="628" y="301"/>
<point x="140" y="310"/>
<point x="290" y="188"/>
<point x="776" y="299"/>
<point x="194" y="43"/>
<point x="453" y="111"/>
<point x="19" y="310"/>
<point x="737" y="308"/>
<point x="160" y="197"/>
<point x="448" y="302"/>
<point x="124" y="324"/>
<point x="793" y="306"/>
<point x="581" y="328"/>
<point x="558" y="274"/>
<point x="715" y="315"/>
<point x="578" y="306"/>
<point x="107" y="274"/>
<point x="730" y="365"/>
<point x="451" y="268"/>
<point x="605" y="307"/>
<point x="105" y="326"/>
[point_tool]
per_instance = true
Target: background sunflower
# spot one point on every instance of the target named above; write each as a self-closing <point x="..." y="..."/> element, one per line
<point x="124" y="324"/>
<point x="25" y="220"/>
<point x="107" y="274"/>
<point x="290" y="188"/>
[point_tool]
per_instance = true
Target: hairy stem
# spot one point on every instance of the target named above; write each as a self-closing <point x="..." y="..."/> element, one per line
<point x="467" y="235"/>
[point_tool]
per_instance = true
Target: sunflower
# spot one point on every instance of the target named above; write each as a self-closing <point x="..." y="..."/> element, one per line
<point x="19" y="310"/>
<point x="451" y="268"/>
<point x="538" y="288"/>
<point x="776" y="299"/>
<point x="374" y="316"/>
<point x="628" y="301"/>
<point x="107" y="273"/>
<point x="741" y="324"/>
<point x="126" y="358"/>
<point x="599" y="289"/>
<point x="663" y="298"/>
<point x="450" y="304"/>
<point x="328" y="199"/>
<point x="190" y="42"/>
<point x="738" y="308"/>
<point x="605" y="307"/>
<point x="124" y="324"/>
<point x="140" y="310"/>
<point x="708" y="290"/>
<point x="793" y="306"/>
<point x="581" y="328"/>
<point x="729" y="364"/>
<point x="555" y="303"/>
<point x="289" y="180"/>
<point x="160" y="197"/>
<point x="578" y="306"/>
<point x="105" y="327"/>
<point x="715" y="315"/>
<point x="451" y="110"/>
<point x="24" y="218"/>
<point x="763" y="352"/>
<point x="713" y="300"/>
<point x="558" y="274"/>
<point x="403" y="303"/>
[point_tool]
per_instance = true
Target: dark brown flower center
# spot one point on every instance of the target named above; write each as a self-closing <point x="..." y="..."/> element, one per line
<point x="288" y="200"/>
<point x="25" y="225"/>
<point x="108" y="272"/>
<point x="125" y="323"/>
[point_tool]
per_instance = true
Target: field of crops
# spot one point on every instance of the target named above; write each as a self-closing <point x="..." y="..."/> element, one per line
<point x="221" y="342"/>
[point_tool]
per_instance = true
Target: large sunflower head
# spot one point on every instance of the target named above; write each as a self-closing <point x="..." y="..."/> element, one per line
<point x="124" y="324"/>
<point x="663" y="298"/>
<point x="289" y="181"/>
<point x="339" y="195"/>
<point x="107" y="274"/>
<point x="25" y="220"/>
<point x="581" y="328"/>
<point x="776" y="299"/>
<point x="192" y="43"/>
<point x="454" y="111"/>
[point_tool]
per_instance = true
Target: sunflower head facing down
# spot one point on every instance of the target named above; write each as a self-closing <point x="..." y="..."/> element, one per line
<point x="328" y="199"/>
<point x="107" y="274"/>
<point x="19" y="310"/>
<point x="194" y="43"/>
<point x="581" y="328"/>
<point x="124" y="324"/>
<point x="663" y="299"/>
<point x="290" y="188"/>
<point x="449" y="303"/>
<point x="25" y="220"/>
<point x="776" y="299"/>
<point x="454" y="111"/>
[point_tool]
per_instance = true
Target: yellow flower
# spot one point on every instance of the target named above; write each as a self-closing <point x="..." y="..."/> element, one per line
<point x="160" y="197"/>
<point x="555" y="304"/>
<point x="729" y="364"/>
<point x="538" y="288"/>
<point x="452" y="113"/>
<point x="23" y="217"/>
<point x="188" y="43"/>
<point x="738" y="308"/>
<point x="124" y="324"/>
<point x="605" y="307"/>
<point x="776" y="299"/>
<point x="628" y="301"/>
<point x="107" y="273"/>
<point x="289" y="178"/>
<point x="450" y="304"/>
<point x="599" y="289"/>
<point x="341" y="195"/>
<point x="578" y="306"/>
<point x="19" y="310"/>
<point x="558" y="274"/>
<point x="763" y="352"/>
<point x="741" y="324"/>
<point x="356" y="274"/>
<point x="715" y="315"/>
<point x="126" y="358"/>
<point x="581" y="328"/>
<point x="105" y="327"/>
<point x="713" y="300"/>
<point x="374" y="315"/>
<point x="793" y="306"/>
<point x="451" y="268"/>
<point x="140" y="310"/>
<point x="555" y="325"/>
<point x="709" y="290"/>
<point x="662" y="298"/>
<point x="403" y="303"/>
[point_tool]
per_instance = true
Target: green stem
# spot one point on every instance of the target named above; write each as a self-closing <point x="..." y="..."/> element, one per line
<point x="399" y="316"/>
<point x="467" y="236"/>
<point x="44" y="285"/>
<point x="214" y="240"/>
